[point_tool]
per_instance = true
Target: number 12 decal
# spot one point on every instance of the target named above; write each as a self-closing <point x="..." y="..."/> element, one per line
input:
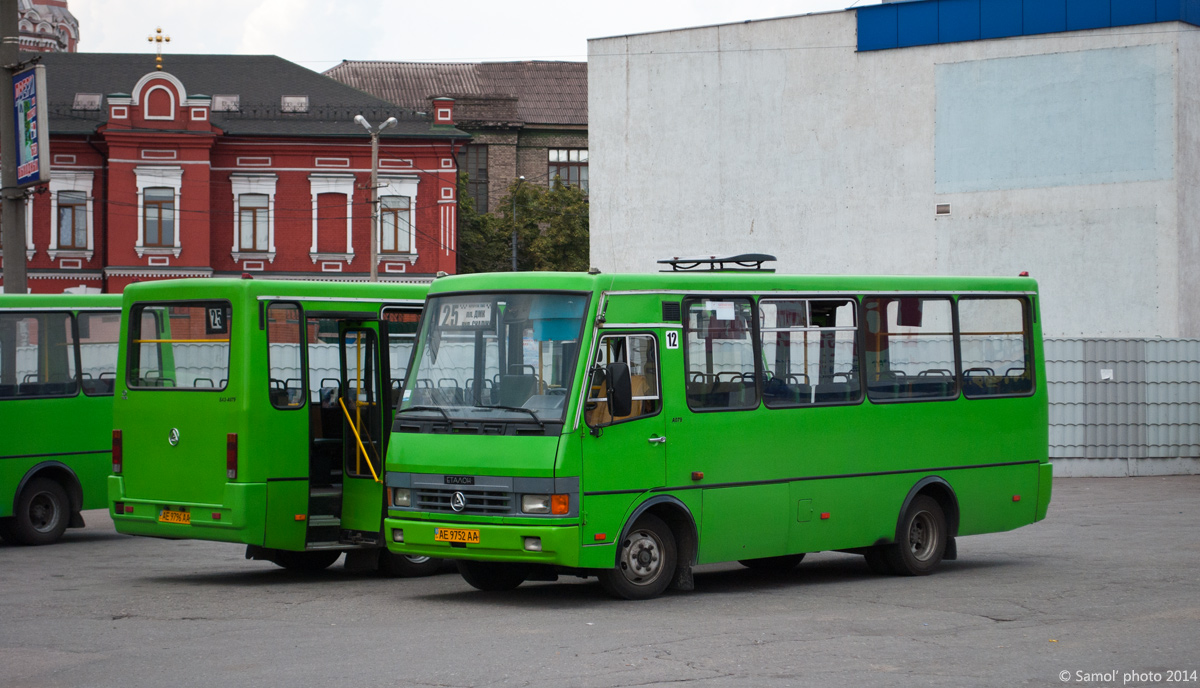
<point x="672" y="339"/>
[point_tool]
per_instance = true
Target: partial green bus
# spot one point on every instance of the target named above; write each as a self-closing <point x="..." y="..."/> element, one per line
<point x="58" y="362"/>
<point x="632" y="426"/>
<point x="256" y="412"/>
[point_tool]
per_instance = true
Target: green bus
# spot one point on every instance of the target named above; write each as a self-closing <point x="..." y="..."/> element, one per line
<point x="58" y="362"/>
<point x="256" y="412"/>
<point x="631" y="426"/>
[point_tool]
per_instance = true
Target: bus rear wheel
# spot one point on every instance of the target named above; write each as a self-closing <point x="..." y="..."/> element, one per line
<point x="773" y="564"/>
<point x="922" y="541"/>
<point x="41" y="515"/>
<point x="646" y="559"/>
<point x="305" y="561"/>
<point x="405" y="566"/>
<point x="492" y="576"/>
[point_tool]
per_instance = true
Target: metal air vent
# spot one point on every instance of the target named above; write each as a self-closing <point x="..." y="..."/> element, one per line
<point x="670" y="311"/>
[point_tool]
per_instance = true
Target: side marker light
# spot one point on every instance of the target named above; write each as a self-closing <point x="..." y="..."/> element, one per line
<point x="601" y="536"/>
<point x="1016" y="498"/>
<point x="301" y="517"/>
<point x="825" y="516"/>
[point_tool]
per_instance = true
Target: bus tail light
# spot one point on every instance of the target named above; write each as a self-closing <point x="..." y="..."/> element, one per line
<point x="231" y="456"/>
<point x="117" y="454"/>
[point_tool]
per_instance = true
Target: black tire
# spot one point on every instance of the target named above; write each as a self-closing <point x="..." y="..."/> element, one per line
<point x="877" y="561"/>
<point x="782" y="564"/>
<point x="922" y="541"/>
<point x="403" y="566"/>
<point x="305" y="561"/>
<point x="42" y="513"/>
<point x="492" y="576"/>
<point x="646" y="560"/>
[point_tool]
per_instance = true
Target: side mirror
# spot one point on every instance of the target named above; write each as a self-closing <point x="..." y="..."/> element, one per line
<point x="620" y="389"/>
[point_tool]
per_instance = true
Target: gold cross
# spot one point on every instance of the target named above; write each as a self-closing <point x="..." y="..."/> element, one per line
<point x="158" y="39"/>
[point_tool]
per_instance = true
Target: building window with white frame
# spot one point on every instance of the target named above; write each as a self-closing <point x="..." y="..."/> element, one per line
<point x="569" y="165"/>
<point x="395" y="224"/>
<point x="252" y="222"/>
<point x="72" y="220"/>
<point x="159" y="216"/>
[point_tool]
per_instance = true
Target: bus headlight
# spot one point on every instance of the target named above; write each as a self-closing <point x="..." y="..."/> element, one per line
<point x="535" y="504"/>
<point x="558" y="504"/>
<point x="401" y="496"/>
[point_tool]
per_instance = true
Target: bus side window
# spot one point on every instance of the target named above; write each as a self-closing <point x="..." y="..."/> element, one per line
<point x="99" y="337"/>
<point x="285" y="379"/>
<point x="910" y="348"/>
<point x="994" y="341"/>
<point x="719" y="354"/>
<point x="37" y="356"/>
<point x="640" y="351"/>
<point x="809" y="351"/>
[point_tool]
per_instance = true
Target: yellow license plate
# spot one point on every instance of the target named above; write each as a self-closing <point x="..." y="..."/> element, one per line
<point x="169" y="516"/>
<point x="456" y="535"/>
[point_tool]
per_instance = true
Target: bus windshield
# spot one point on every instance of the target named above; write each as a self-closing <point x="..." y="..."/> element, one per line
<point x="496" y="357"/>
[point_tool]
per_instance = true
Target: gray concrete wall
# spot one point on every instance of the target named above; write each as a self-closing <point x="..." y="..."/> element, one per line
<point x="777" y="136"/>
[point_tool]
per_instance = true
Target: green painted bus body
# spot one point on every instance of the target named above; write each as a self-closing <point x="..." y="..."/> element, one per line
<point x="761" y="482"/>
<point x="66" y="436"/>
<point x="267" y="504"/>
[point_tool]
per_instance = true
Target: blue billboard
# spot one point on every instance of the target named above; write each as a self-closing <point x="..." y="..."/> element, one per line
<point x="33" y="154"/>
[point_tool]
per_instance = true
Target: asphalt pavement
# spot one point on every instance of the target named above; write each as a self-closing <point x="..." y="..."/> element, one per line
<point x="1104" y="592"/>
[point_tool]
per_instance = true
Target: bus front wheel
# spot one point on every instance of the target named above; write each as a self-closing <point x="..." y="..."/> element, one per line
<point x="42" y="513"/>
<point x="646" y="559"/>
<point x="404" y="566"/>
<point x="492" y="576"/>
<point x="922" y="539"/>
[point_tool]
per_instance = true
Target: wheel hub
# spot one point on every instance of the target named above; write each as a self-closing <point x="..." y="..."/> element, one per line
<point x="43" y="513"/>
<point x="922" y="535"/>
<point x="643" y="558"/>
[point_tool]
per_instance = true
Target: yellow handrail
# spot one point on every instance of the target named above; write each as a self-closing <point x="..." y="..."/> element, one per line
<point x="181" y="341"/>
<point x="360" y="442"/>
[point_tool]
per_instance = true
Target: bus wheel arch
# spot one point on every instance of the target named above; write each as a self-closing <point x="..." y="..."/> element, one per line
<point x="678" y="518"/>
<point x="925" y="531"/>
<point x="941" y="492"/>
<point x="47" y="501"/>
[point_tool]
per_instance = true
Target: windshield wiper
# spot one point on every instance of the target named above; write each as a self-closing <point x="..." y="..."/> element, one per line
<point x="427" y="408"/>
<point x="537" y="420"/>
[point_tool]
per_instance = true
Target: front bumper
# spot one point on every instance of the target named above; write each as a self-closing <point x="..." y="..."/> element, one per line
<point x="497" y="542"/>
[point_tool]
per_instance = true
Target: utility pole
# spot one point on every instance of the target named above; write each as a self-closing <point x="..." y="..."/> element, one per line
<point x="12" y="219"/>
<point x="516" y="189"/>
<point x="374" y="131"/>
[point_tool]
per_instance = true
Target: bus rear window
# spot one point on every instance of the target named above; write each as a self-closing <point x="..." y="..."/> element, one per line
<point x="180" y="345"/>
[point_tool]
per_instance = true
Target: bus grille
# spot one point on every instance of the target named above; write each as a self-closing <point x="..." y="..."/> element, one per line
<point x="433" y="499"/>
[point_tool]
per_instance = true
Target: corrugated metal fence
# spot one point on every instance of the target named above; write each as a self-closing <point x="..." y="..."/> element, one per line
<point x="1124" y="398"/>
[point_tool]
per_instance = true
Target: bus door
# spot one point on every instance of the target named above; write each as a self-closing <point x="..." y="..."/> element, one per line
<point x="623" y="453"/>
<point x="364" y="403"/>
<point x="342" y="364"/>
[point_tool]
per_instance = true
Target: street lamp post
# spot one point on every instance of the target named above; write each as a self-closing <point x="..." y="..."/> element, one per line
<point x="516" y="189"/>
<point x="374" y="132"/>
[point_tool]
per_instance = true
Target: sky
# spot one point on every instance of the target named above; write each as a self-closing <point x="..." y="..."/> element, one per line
<point x="321" y="33"/>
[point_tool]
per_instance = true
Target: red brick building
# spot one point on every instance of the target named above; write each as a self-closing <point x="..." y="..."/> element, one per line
<point x="224" y="164"/>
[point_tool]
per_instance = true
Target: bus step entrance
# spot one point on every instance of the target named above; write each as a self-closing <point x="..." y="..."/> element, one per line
<point x="325" y="501"/>
<point x="315" y="546"/>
